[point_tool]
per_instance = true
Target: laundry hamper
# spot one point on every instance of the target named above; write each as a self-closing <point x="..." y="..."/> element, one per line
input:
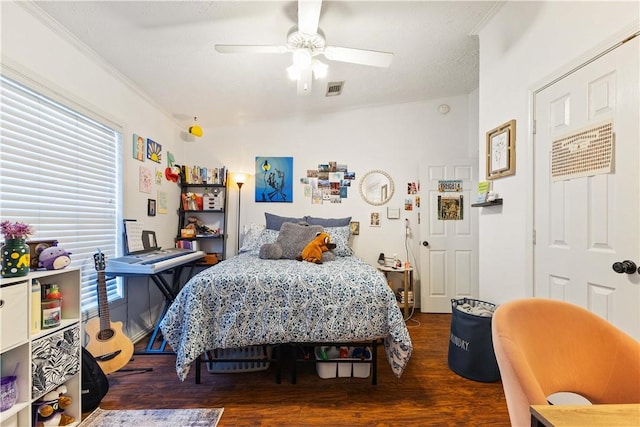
<point x="471" y="352"/>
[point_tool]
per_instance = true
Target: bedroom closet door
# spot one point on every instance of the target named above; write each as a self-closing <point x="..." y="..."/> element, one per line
<point x="448" y="235"/>
<point x="587" y="187"/>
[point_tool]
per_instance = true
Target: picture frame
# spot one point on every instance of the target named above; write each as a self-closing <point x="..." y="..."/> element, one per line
<point x="354" y="227"/>
<point x="393" y="213"/>
<point x="501" y="150"/>
<point x="151" y="207"/>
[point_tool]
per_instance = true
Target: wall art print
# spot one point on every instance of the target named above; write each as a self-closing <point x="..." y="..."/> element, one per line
<point x="328" y="183"/>
<point x="274" y="179"/>
<point x="154" y="151"/>
<point x="138" y="147"/>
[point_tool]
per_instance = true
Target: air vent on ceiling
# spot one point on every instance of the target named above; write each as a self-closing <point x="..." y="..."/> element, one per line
<point x="334" y="88"/>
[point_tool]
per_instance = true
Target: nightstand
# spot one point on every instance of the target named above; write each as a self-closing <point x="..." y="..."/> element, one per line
<point x="407" y="285"/>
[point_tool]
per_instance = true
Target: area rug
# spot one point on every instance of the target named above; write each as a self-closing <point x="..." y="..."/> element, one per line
<point x="154" y="418"/>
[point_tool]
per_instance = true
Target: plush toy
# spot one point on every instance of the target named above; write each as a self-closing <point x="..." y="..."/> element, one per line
<point x="54" y="258"/>
<point x="51" y="409"/>
<point x="314" y="249"/>
<point x="198" y="225"/>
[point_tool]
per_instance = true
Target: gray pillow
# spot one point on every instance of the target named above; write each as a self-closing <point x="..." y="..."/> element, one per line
<point x="293" y="238"/>
<point x="270" y="251"/>
<point x="274" y="222"/>
<point x="327" y="222"/>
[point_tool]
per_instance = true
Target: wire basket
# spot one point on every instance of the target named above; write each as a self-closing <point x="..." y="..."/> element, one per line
<point x="243" y="359"/>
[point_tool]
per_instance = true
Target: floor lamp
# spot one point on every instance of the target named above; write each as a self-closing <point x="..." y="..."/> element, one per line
<point x="239" y="178"/>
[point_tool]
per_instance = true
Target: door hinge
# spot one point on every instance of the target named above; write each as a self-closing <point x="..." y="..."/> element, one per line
<point x="534" y="237"/>
<point x="534" y="127"/>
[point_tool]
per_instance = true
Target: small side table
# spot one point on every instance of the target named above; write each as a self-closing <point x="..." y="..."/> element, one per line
<point x="407" y="284"/>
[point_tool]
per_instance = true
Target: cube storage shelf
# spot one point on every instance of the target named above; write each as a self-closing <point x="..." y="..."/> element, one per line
<point x="57" y="346"/>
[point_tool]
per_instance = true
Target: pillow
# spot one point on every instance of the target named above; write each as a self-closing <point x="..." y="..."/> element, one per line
<point x="274" y="222"/>
<point x="293" y="238"/>
<point x="251" y="235"/>
<point x="265" y="236"/>
<point x="327" y="222"/>
<point x="340" y="236"/>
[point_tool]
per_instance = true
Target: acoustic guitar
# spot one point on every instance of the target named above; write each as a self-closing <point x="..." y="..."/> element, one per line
<point x="111" y="348"/>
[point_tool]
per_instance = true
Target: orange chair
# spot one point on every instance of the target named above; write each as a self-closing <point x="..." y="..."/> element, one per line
<point x="546" y="346"/>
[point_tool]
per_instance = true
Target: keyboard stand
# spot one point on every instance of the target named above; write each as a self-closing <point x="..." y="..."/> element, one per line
<point x="175" y="267"/>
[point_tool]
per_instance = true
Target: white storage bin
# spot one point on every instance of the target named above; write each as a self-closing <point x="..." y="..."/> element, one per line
<point x="342" y="367"/>
<point x="13" y="315"/>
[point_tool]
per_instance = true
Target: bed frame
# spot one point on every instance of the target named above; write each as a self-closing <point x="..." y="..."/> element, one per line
<point x="295" y="356"/>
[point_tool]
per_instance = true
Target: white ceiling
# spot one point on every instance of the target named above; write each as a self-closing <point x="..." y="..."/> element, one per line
<point x="167" y="49"/>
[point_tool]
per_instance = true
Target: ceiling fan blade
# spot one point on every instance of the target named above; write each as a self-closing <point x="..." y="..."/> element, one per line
<point x="238" y="48"/>
<point x="304" y="82"/>
<point x="358" y="56"/>
<point x="309" y="16"/>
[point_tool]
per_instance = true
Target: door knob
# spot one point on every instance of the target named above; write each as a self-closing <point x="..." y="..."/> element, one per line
<point x="425" y="243"/>
<point x="625" y="266"/>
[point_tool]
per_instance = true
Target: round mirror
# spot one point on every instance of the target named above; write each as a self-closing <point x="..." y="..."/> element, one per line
<point x="376" y="187"/>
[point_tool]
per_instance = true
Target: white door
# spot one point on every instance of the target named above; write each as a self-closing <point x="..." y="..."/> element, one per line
<point x="448" y="247"/>
<point x="585" y="218"/>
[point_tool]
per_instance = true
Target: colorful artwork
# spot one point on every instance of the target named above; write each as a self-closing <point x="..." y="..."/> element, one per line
<point x="138" y="147"/>
<point x="328" y="183"/>
<point x="145" y="180"/>
<point x="162" y="202"/>
<point x="274" y="179"/>
<point x="154" y="151"/>
<point x="450" y="208"/>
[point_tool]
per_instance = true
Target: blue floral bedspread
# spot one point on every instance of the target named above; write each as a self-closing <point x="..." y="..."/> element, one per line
<point x="246" y="301"/>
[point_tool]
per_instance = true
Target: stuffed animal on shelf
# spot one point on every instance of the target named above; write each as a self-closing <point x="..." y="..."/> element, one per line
<point x="54" y="258"/>
<point x="51" y="410"/>
<point x="314" y="249"/>
<point x="200" y="227"/>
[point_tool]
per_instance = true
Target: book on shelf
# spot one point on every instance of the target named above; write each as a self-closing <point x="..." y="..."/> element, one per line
<point x="484" y="187"/>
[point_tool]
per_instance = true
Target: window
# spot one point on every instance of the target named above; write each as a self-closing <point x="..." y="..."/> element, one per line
<point x="59" y="172"/>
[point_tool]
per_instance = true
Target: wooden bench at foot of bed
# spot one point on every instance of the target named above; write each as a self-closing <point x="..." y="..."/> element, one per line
<point x="295" y="353"/>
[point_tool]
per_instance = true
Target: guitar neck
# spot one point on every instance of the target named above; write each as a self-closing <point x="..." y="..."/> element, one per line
<point x="103" y="302"/>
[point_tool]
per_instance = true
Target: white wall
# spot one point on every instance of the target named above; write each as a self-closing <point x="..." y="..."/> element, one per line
<point x="395" y="139"/>
<point x="37" y="52"/>
<point x="520" y="48"/>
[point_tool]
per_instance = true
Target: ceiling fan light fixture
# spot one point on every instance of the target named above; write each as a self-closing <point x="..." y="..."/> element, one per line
<point x="293" y="72"/>
<point x="319" y="69"/>
<point x="302" y="58"/>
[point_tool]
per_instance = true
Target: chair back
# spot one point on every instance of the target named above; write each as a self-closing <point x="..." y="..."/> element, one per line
<point x="545" y="346"/>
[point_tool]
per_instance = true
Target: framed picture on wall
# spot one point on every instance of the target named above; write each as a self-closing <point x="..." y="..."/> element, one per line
<point x="501" y="150"/>
<point x="151" y="207"/>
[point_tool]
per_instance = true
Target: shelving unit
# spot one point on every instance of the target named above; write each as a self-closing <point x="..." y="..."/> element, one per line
<point x="19" y="346"/>
<point x="212" y="211"/>
<point x="407" y="285"/>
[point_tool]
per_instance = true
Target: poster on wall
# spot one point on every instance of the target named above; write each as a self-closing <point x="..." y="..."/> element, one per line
<point x="450" y="207"/>
<point x="328" y="183"/>
<point x="144" y="180"/>
<point x="138" y="147"/>
<point x="154" y="151"/>
<point x="274" y="179"/>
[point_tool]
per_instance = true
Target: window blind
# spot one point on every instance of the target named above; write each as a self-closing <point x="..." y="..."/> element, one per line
<point x="59" y="172"/>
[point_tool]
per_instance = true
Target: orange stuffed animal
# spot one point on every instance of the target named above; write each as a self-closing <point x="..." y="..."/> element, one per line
<point x="314" y="249"/>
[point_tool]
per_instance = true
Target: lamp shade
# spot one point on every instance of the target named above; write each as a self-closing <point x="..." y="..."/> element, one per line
<point x="195" y="130"/>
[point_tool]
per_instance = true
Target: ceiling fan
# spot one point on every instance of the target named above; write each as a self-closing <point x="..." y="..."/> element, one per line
<point x="306" y="41"/>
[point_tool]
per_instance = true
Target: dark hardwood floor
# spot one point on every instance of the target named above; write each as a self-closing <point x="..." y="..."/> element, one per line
<point x="427" y="394"/>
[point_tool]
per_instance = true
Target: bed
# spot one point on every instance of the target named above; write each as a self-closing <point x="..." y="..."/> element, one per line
<point x="248" y="300"/>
